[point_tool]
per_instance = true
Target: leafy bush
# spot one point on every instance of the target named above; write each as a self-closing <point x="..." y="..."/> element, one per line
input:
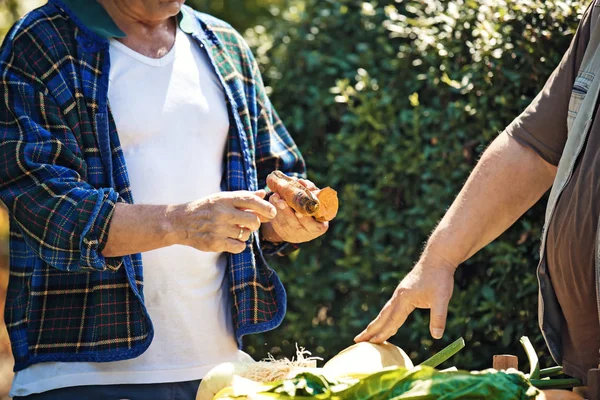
<point x="242" y="14"/>
<point x="11" y="10"/>
<point x="392" y="103"/>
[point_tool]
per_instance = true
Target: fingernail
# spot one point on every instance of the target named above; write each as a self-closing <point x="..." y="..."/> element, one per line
<point x="298" y="215"/>
<point x="275" y="197"/>
<point x="437" y="333"/>
<point x="281" y="205"/>
<point x="273" y="212"/>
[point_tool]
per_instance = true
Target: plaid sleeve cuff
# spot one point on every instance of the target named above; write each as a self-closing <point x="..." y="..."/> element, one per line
<point x="279" y="249"/>
<point x="95" y="234"/>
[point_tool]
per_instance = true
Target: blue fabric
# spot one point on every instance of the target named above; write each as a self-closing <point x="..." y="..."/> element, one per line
<point x="158" y="391"/>
<point x="62" y="172"/>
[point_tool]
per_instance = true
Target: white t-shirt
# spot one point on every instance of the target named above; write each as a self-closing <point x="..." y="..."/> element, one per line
<point x="172" y="120"/>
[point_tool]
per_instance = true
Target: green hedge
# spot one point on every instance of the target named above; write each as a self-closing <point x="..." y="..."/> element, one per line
<point x="392" y="103"/>
<point x="242" y="14"/>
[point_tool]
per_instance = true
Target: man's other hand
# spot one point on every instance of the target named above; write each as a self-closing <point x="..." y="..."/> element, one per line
<point x="428" y="285"/>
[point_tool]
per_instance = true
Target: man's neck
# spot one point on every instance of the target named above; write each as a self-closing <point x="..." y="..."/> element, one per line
<point x="151" y="38"/>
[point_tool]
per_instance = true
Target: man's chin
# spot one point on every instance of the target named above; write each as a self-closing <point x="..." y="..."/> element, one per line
<point x="167" y="9"/>
<point x="171" y="4"/>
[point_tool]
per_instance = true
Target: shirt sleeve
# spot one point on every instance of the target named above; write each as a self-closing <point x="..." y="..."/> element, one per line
<point x="275" y="149"/>
<point x="62" y="218"/>
<point x="542" y="127"/>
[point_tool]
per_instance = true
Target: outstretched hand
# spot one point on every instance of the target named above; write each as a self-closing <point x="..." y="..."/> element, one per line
<point x="428" y="285"/>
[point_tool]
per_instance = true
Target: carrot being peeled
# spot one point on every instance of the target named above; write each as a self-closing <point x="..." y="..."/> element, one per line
<point x="328" y="205"/>
<point x="321" y="204"/>
<point x="293" y="192"/>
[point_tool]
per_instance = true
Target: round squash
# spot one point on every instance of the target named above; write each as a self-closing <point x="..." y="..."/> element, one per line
<point x="248" y="375"/>
<point x="222" y="376"/>
<point x="367" y="358"/>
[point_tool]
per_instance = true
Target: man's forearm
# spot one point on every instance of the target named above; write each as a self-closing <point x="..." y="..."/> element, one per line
<point x="136" y="228"/>
<point x="222" y="222"/>
<point x="506" y="182"/>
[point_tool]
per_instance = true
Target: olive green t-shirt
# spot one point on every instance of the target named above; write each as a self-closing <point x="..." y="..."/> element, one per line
<point x="571" y="236"/>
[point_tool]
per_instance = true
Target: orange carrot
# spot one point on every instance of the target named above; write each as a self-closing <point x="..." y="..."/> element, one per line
<point x="321" y="204"/>
<point x="328" y="204"/>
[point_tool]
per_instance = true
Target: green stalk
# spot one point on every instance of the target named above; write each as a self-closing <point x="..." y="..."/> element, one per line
<point x="444" y="354"/>
<point x="534" y="362"/>
<point x="552" y="371"/>
<point x="451" y="369"/>
<point x="555" y="383"/>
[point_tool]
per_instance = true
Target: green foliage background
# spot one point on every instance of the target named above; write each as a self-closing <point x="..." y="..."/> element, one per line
<point x="242" y="14"/>
<point x="392" y="102"/>
<point x="10" y="10"/>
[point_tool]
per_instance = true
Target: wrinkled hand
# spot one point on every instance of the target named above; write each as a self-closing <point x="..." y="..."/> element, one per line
<point x="214" y="223"/>
<point x="428" y="285"/>
<point x="289" y="226"/>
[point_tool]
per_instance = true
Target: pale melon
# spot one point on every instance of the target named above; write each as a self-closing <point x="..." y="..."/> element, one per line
<point x="367" y="358"/>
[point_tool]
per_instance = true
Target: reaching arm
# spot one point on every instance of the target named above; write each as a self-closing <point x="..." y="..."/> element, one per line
<point x="506" y="182"/>
<point x="513" y="173"/>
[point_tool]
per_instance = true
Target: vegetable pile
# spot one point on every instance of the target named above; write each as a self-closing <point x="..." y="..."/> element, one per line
<point x="368" y="371"/>
<point x="422" y="383"/>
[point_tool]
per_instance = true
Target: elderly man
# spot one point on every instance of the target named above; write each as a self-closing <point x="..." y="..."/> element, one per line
<point x="104" y="102"/>
<point x="555" y="139"/>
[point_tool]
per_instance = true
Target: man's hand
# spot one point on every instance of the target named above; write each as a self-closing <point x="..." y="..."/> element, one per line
<point x="428" y="285"/>
<point x="222" y="222"/>
<point x="289" y="226"/>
